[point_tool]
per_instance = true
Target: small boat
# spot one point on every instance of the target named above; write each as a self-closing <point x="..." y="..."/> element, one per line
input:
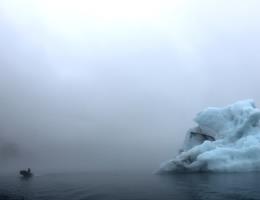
<point x="26" y="173"/>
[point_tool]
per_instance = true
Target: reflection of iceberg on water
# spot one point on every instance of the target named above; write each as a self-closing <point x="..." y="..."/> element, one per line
<point x="226" y="139"/>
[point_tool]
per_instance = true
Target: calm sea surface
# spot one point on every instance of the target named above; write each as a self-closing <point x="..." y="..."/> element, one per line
<point x="131" y="186"/>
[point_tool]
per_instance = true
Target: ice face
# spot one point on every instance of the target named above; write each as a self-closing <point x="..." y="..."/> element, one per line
<point x="226" y="139"/>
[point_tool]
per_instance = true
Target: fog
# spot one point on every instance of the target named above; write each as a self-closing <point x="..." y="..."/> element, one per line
<point x="114" y="85"/>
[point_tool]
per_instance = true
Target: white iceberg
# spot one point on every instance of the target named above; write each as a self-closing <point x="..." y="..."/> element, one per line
<point x="226" y="140"/>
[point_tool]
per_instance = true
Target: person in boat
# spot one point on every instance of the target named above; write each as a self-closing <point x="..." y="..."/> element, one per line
<point x="26" y="173"/>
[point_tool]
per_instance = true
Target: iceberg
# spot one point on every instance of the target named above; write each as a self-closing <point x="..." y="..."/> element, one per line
<point x="225" y="139"/>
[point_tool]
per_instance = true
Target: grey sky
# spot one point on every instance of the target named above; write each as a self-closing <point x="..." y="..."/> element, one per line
<point x="116" y="85"/>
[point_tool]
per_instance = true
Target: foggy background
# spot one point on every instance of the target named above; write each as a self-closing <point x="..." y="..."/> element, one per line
<point x="108" y="85"/>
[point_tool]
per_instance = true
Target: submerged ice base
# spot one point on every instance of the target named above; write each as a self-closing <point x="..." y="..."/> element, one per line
<point x="226" y="139"/>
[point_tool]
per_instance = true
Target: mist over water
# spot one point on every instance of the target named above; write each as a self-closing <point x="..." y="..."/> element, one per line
<point x="95" y="95"/>
<point x="85" y="86"/>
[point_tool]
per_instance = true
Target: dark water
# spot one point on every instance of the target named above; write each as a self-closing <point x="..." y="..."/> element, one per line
<point x="132" y="186"/>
